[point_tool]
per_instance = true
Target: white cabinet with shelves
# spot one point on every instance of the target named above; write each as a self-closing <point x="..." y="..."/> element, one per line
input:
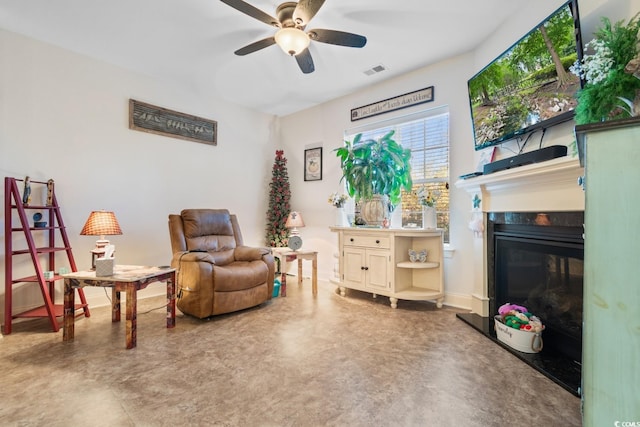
<point x="377" y="261"/>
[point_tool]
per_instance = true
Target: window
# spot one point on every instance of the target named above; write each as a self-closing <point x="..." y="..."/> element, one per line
<point x="427" y="135"/>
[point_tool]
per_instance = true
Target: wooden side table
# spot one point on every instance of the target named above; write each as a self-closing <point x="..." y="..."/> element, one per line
<point x="286" y="255"/>
<point x="127" y="278"/>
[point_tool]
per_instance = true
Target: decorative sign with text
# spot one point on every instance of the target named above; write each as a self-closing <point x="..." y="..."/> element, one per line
<point x="161" y="121"/>
<point x="403" y="101"/>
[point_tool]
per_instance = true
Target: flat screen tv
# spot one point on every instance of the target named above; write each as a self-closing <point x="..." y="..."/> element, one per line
<point x="529" y="86"/>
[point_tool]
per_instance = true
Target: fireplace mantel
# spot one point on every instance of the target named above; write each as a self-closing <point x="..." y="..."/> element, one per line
<point x="545" y="186"/>
<point x="539" y="187"/>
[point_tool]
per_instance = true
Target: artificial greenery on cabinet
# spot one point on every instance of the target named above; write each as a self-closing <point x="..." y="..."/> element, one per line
<point x="277" y="234"/>
<point x="611" y="72"/>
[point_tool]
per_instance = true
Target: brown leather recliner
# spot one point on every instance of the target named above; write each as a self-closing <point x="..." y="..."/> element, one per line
<point x="216" y="272"/>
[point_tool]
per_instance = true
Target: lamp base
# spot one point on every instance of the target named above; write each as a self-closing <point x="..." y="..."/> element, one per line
<point x="98" y="251"/>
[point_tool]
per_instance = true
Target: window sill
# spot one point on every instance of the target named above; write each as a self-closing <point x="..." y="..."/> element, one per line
<point x="448" y="250"/>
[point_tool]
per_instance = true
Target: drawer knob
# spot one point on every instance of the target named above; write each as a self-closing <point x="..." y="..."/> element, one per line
<point x="351" y="239"/>
<point x="377" y="241"/>
<point x="366" y="268"/>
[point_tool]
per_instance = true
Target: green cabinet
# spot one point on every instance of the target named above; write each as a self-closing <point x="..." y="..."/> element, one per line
<point x="611" y="332"/>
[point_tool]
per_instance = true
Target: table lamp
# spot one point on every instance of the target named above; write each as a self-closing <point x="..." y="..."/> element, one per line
<point x="100" y="223"/>
<point x="294" y="220"/>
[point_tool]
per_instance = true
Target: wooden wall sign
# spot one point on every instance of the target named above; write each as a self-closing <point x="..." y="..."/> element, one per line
<point x="149" y="118"/>
<point x="396" y="103"/>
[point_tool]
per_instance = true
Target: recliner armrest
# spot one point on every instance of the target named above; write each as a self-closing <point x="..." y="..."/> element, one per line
<point x="247" y="253"/>
<point x="192" y="257"/>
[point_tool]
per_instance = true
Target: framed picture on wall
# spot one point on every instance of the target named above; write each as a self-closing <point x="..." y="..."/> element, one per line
<point x="313" y="164"/>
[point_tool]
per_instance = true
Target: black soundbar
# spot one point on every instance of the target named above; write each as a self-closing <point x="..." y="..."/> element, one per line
<point x="536" y="156"/>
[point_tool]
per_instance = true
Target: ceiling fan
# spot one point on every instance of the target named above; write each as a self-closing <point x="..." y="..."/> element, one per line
<point x="292" y="19"/>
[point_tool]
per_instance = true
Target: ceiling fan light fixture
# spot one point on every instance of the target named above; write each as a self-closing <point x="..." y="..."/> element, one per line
<point x="292" y="40"/>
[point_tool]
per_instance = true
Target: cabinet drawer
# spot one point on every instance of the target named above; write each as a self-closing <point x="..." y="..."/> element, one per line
<point x="366" y="241"/>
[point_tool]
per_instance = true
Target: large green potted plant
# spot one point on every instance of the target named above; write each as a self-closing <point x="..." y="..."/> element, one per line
<point x="375" y="173"/>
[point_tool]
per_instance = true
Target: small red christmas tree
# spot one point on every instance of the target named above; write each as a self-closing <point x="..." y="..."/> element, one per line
<point x="279" y="203"/>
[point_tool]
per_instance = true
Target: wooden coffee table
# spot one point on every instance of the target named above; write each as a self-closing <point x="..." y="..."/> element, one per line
<point x="126" y="278"/>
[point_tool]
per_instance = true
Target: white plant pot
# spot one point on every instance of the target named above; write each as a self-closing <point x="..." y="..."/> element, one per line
<point x="375" y="211"/>
<point x="429" y="217"/>
<point x="341" y="218"/>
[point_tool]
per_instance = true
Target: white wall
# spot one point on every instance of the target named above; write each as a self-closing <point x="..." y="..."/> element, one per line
<point x="65" y="116"/>
<point x="326" y="124"/>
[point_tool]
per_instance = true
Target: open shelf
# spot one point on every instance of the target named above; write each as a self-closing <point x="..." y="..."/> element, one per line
<point x="43" y="258"/>
<point x="409" y="264"/>
<point x="417" y="293"/>
<point x="35" y="279"/>
<point x="58" y="310"/>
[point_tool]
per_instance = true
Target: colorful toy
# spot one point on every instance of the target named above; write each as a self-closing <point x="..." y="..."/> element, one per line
<point x="518" y="317"/>
<point x="505" y="308"/>
<point x="515" y="321"/>
<point x="535" y="324"/>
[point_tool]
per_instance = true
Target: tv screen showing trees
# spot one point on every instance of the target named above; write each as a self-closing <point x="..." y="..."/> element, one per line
<point x="529" y="86"/>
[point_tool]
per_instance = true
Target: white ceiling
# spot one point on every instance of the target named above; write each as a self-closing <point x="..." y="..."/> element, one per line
<point x="193" y="41"/>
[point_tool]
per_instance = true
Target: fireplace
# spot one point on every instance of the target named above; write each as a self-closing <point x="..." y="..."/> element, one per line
<point x="532" y="253"/>
<point x="537" y="260"/>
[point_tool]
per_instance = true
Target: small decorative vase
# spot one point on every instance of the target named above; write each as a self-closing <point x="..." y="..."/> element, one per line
<point x="341" y="218"/>
<point x="429" y="217"/>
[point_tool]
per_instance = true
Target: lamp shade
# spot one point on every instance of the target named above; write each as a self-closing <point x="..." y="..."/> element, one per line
<point x="101" y="223"/>
<point x="292" y="40"/>
<point x="294" y="220"/>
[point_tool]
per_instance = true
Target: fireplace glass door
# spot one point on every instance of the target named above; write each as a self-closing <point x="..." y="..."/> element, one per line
<point x="546" y="277"/>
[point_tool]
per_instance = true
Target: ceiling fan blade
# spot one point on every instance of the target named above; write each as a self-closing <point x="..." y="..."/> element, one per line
<point x="306" y="10"/>
<point x="260" y="44"/>
<point x="337" y="37"/>
<point x="252" y="11"/>
<point x="305" y="62"/>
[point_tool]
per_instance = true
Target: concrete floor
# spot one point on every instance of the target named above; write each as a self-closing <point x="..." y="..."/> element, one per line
<point x="294" y="361"/>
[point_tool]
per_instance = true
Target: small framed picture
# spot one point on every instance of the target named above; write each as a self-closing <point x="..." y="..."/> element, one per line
<point x="313" y="164"/>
